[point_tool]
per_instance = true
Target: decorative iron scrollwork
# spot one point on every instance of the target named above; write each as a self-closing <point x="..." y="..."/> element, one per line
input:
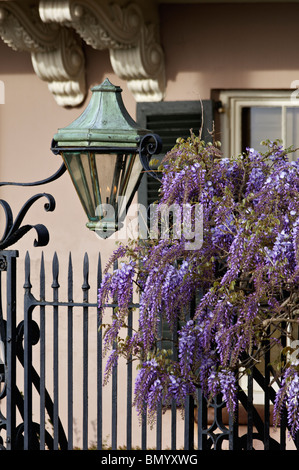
<point x="14" y="230"/>
<point x="19" y="432"/>
<point x="150" y="144"/>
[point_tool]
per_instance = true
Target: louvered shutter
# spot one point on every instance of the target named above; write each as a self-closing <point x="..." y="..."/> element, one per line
<point x="170" y="120"/>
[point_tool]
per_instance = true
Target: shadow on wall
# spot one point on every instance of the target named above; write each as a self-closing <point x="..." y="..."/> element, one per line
<point x="223" y="44"/>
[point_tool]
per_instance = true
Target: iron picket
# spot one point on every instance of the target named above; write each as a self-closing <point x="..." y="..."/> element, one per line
<point x="202" y="421"/>
<point x="99" y="364"/>
<point x="70" y="353"/>
<point x="159" y="407"/>
<point x="129" y="386"/>
<point x="9" y="264"/>
<point x="267" y="399"/>
<point x="55" y="286"/>
<point x="173" y="403"/>
<point x="114" y="393"/>
<point x="42" y="357"/>
<point x="250" y="413"/>
<point x="27" y="361"/>
<point x="212" y="429"/>
<point x="85" y="289"/>
<point x="144" y="430"/>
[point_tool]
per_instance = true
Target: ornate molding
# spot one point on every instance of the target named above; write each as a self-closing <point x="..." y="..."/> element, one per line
<point x="22" y="30"/>
<point x="142" y="66"/>
<point x="131" y="37"/>
<point x="52" y="32"/>
<point x="102" y="26"/>
<point x="63" y="69"/>
<point x="56" y="52"/>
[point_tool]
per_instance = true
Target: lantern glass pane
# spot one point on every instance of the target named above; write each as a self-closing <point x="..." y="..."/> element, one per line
<point x="127" y="171"/>
<point x="78" y="166"/>
<point x="101" y="179"/>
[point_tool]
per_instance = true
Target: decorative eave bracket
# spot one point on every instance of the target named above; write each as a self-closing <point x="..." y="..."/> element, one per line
<point x="53" y="32"/>
<point x="56" y="52"/>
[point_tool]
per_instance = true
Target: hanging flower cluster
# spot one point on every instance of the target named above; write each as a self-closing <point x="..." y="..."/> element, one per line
<point x="244" y="277"/>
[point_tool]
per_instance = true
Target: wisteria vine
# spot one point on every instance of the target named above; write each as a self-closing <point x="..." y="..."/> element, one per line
<point x="244" y="278"/>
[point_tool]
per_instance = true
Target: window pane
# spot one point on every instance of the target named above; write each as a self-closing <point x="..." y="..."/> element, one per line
<point x="260" y="123"/>
<point x="292" y="129"/>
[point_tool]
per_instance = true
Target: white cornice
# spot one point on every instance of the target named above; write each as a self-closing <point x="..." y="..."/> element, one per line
<point x="53" y="32"/>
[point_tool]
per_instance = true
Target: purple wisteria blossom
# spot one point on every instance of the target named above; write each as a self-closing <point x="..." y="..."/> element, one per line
<point x="243" y="279"/>
<point x="288" y="398"/>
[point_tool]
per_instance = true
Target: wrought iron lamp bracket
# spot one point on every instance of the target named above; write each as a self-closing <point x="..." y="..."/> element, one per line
<point x="14" y="230"/>
<point x="150" y="144"/>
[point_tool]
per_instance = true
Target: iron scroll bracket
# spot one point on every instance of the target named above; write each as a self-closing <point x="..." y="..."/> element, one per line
<point x="14" y="230"/>
<point x="51" y="178"/>
<point x="150" y="144"/>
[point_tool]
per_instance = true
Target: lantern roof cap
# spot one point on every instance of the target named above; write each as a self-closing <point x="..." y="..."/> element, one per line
<point x="105" y="122"/>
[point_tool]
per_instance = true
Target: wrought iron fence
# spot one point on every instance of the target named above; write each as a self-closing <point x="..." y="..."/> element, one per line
<point x="39" y="405"/>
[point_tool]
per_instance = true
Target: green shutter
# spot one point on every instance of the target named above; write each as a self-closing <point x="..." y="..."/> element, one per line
<point x="170" y="120"/>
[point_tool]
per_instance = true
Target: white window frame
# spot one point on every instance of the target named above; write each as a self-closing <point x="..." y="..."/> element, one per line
<point x="232" y="102"/>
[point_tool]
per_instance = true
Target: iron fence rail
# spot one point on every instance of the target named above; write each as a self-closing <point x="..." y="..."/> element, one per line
<point x="206" y="426"/>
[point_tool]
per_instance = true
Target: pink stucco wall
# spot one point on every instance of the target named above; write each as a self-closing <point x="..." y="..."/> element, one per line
<point x="206" y="47"/>
<point x="229" y="46"/>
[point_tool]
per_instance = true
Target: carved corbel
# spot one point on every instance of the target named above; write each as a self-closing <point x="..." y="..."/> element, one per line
<point x="22" y="30"/>
<point x="56" y="52"/>
<point x="100" y="25"/>
<point x="64" y="69"/>
<point x="135" y="53"/>
<point x="142" y="66"/>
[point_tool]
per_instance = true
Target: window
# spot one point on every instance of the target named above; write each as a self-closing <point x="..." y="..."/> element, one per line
<point x="248" y="117"/>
